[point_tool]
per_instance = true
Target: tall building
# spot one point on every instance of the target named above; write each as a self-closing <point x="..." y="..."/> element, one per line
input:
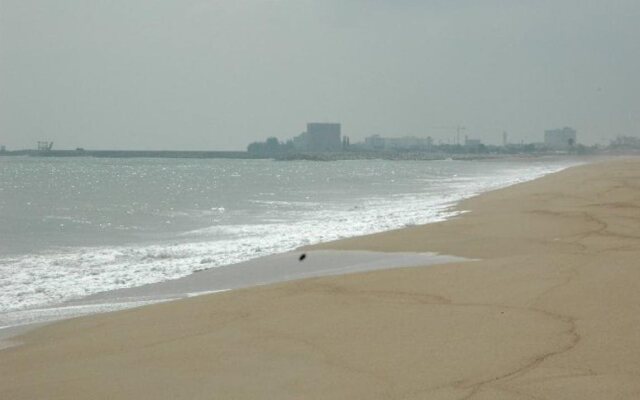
<point x="560" y="139"/>
<point x="324" y="136"/>
<point x="319" y="136"/>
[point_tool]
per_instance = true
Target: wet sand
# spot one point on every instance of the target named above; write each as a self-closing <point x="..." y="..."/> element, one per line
<point x="550" y="309"/>
<point x="260" y="271"/>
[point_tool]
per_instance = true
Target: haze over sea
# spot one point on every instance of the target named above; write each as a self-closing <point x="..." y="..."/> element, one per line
<point x="71" y="227"/>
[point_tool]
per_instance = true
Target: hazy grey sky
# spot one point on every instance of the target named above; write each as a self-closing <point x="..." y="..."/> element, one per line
<point x="218" y="74"/>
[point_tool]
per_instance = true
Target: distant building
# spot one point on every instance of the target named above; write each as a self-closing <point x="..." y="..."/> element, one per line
<point x="472" y="143"/>
<point x="324" y="136"/>
<point x="44" y="146"/>
<point x="3" y="149"/>
<point x="269" y="148"/>
<point x="376" y="142"/>
<point x="560" y="139"/>
<point x="346" y="142"/>
<point x="301" y="142"/>
<point x="320" y="136"/>
<point x="628" y="142"/>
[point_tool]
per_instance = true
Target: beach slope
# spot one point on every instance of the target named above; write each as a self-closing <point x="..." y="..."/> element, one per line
<point x="549" y="308"/>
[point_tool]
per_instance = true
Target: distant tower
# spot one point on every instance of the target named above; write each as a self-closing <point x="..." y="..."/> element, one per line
<point x="505" y="141"/>
<point x="458" y="130"/>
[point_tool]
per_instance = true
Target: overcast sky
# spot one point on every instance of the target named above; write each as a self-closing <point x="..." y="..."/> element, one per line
<point x="218" y="74"/>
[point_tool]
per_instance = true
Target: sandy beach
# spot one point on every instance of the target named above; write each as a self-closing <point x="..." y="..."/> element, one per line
<point x="548" y="309"/>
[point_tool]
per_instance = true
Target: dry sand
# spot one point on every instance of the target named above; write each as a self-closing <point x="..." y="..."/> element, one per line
<point x="550" y="311"/>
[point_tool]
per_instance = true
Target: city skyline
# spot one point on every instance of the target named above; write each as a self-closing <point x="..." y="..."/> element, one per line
<point x="197" y="75"/>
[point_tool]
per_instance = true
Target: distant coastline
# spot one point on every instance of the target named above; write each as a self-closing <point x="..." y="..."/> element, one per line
<point x="132" y="154"/>
<point x="309" y="156"/>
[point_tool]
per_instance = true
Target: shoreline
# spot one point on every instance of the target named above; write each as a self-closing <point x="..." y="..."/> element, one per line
<point x="451" y="211"/>
<point x="266" y="270"/>
<point x="549" y="309"/>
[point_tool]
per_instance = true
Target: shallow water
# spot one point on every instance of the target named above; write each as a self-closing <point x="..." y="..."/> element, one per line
<point x="70" y="227"/>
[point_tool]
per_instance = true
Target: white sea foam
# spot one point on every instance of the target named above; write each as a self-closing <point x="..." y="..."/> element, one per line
<point x="51" y="277"/>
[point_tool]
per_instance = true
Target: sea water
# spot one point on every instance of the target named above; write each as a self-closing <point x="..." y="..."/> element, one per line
<point x="71" y="227"/>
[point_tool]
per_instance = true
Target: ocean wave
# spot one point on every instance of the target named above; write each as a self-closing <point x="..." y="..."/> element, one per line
<point x="48" y="278"/>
